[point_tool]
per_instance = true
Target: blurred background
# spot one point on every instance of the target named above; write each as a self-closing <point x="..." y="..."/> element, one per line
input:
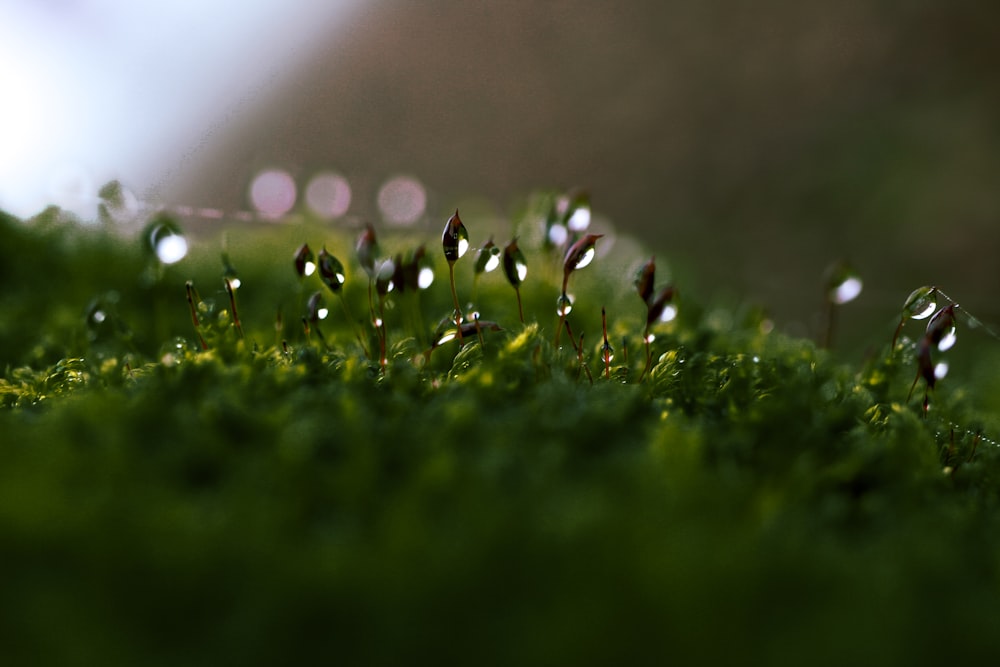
<point x="750" y="144"/>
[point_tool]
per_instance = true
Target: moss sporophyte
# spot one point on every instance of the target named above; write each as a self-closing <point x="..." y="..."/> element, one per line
<point x="259" y="458"/>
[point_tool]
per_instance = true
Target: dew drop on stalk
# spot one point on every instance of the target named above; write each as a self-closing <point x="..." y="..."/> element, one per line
<point x="383" y="277"/>
<point x="446" y="337"/>
<point x="515" y="266"/>
<point x="644" y="280"/>
<point x="941" y="328"/>
<point x="580" y="254"/>
<point x="304" y="261"/>
<point x="947" y="340"/>
<point x="488" y="257"/>
<point x="586" y="258"/>
<point x="564" y="304"/>
<point x="367" y="249"/>
<point x="921" y="303"/>
<point x="941" y="370"/>
<point x="455" y="238"/>
<point x="168" y="243"/>
<point x="315" y="308"/>
<point x="331" y="271"/>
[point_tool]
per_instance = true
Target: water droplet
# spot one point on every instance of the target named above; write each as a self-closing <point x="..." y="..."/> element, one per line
<point x="229" y="272"/>
<point x="947" y="340"/>
<point x="331" y="271"/>
<point x="921" y="303"/>
<point x="322" y="313"/>
<point x="314" y="306"/>
<point x="447" y="336"/>
<point x="515" y="266"/>
<point x="941" y="328"/>
<point x="98" y="316"/>
<point x="607" y="352"/>
<point x="661" y="309"/>
<point x="367" y="248"/>
<point x="303" y="261"/>
<point x="383" y="279"/>
<point x="273" y="193"/>
<point x="941" y="370"/>
<point x="843" y="284"/>
<point x="425" y="278"/>
<point x="580" y="254"/>
<point x="488" y="257"/>
<point x="644" y="280"/>
<point x="650" y="338"/>
<point x="455" y="238"/>
<point x="564" y="305"/>
<point x="168" y="243"/>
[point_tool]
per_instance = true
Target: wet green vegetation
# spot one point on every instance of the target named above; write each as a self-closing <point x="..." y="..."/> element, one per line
<point x="336" y="459"/>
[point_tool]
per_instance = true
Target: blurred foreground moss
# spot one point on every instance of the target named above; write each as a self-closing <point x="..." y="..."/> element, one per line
<point x="278" y="495"/>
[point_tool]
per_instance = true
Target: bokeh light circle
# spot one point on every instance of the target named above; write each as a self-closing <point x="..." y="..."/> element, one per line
<point x="273" y="193"/>
<point x="402" y="200"/>
<point x="328" y="195"/>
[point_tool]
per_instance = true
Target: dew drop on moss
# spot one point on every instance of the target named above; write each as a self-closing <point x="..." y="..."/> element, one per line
<point x="921" y="303"/>
<point x="515" y="266"/>
<point x="455" y="238"/>
<point x="564" y="305"/>
<point x="168" y="243"/>
<point x="331" y="271"/>
<point x="607" y="352"/>
<point x="488" y="258"/>
<point x="304" y="261"/>
<point x="947" y="340"/>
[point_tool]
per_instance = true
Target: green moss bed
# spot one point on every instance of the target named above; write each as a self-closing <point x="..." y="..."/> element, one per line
<point x="173" y="494"/>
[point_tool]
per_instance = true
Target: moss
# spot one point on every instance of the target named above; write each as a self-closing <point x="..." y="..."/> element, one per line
<point x="276" y="494"/>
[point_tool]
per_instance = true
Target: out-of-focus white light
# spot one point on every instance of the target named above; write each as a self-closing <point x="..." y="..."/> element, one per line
<point x="669" y="313"/>
<point x="134" y="90"/>
<point x="425" y="278"/>
<point x="847" y="290"/>
<point x="558" y="234"/>
<point x="171" y="248"/>
<point x="580" y="219"/>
